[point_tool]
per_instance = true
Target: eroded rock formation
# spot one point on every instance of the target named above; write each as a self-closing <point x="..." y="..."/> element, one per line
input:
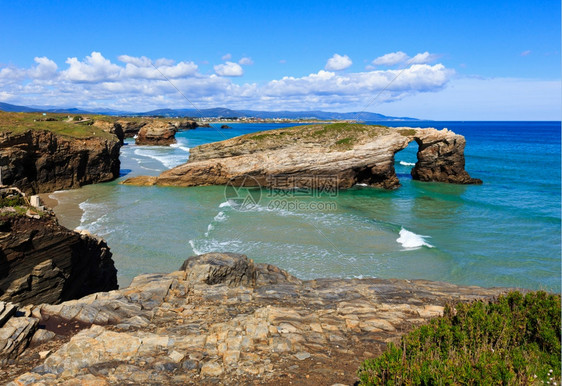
<point x="43" y="262"/>
<point x="441" y="158"/>
<point x="299" y="156"/>
<point x="38" y="161"/>
<point x="224" y="319"/>
<point x="160" y="133"/>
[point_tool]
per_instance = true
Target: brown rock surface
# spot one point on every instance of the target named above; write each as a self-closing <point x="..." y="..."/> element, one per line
<point x="441" y="159"/>
<point x="38" y="161"/>
<point x="157" y="133"/>
<point x="226" y="320"/>
<point x="43" y="262"/>
<point x="348" y="154"/>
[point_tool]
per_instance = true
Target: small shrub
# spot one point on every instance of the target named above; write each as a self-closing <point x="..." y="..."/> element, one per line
<point x="514" y="340"/>
<point x="12" y="201"/>
<point x="77" y="118"/>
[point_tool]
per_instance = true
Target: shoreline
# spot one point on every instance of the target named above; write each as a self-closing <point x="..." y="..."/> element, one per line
<point x="241" y="323"/>
<point x="68" y="214"/>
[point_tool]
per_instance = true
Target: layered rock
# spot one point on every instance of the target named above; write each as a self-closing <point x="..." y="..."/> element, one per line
<point x="441" y="158"/>
<point x="38" y="161"/>
<point x="43" y="262"/>
<point x="160" y="133"/>
<point x="131" y="127"/>
<point x="157" y="133"/>
<point x="299" y="156"/>
<point x="224" y="319"/>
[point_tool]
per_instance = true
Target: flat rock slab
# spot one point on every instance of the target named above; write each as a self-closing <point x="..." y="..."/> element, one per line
<point x="255" y="324"/>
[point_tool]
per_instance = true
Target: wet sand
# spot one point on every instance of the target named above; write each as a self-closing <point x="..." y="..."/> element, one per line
<point x="68" y="212"/>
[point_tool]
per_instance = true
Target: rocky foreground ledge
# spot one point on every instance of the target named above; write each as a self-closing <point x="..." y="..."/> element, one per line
<point x="221" y="319"/>
<point x="296" y="157"/>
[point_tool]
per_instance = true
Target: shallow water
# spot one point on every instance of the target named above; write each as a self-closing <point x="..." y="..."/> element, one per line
<point x="503" y="233"/>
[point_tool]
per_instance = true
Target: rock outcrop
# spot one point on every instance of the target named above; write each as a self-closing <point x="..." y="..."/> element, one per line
<point x="39" y="161"/>
<point x="349" y="154"/>
<point x="157" y="133"/>
<point x="160" y="133"/>
<point x="224" y="319"/>
<point x="43" y="262"/>
<point x="441" y="158"/>
<point x="131" y="127"/>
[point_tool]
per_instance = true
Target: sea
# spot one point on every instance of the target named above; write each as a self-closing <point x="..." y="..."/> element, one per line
<point x="503" y="233"/>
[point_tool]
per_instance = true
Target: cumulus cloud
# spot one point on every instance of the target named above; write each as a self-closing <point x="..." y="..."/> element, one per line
<point x="133" y="83"/>
<point x="45" y="68"/>
<point x="394" y="58"/>
<point x="423" y="58"/>
<point x="94" y="68"/>
<point x="229" y="69"/>
<point x="226" y="57"/>
<point x="390" y="59"/>
<point x="246" y="61"/>
<point x="338" y="63"/>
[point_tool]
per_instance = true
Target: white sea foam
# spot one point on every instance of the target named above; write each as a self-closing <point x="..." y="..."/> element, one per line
<point x="168" y="160"/>
<point x="180" y="146"/>
<point x="362" y="184"/>
<point x="226" y="203"/>
<point x="195" y="250"/>
<point x="210" y="245"/>
<point x="410" y="240"/>
<point x="220" y="217"/>
<point x="404" y="163"/>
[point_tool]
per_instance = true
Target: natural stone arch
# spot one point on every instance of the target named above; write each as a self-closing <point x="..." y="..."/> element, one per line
<point x="441" y="158"/>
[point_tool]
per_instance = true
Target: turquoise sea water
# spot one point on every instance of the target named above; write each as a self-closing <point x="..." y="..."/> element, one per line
<point x="505" y="232"/>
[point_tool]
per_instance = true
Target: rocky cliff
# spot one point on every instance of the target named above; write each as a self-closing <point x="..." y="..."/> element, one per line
<point x="298" y="156"/>
<point x="43" y="262"/>
<point x="38" y="161"/>
<point x="223" y="319"/>
<point x="158" y="132"/>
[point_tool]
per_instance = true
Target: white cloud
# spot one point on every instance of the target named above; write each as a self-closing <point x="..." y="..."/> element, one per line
<point x="477" y="98"/>
<point x="229" y="69"/>
<point x="417" y="78"/>
<point x="94" y="68"/>
<point x="394" y="58"/>
<point x="246" y="61"/>
<point x="423" y="58"/>
<point x="143" y="61"/>
<point x="391" y="59"/>
<point x="526" y="52"/>
<point x="421" y="90"/>
<point x="45" y="68"/>
<point x="226" y="57"/>
<point x="338" y="63"/>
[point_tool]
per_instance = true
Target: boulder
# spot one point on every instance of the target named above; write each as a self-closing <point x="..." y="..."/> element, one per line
<point x="157" y="133"/>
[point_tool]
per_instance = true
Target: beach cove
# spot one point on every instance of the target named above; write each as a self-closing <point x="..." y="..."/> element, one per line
<point x="503" y="233"/>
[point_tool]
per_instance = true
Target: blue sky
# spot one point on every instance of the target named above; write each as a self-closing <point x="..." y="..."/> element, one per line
<point x="475" y="60"/>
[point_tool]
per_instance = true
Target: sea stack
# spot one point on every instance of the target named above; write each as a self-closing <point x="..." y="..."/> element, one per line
<point x="296" y="157"/>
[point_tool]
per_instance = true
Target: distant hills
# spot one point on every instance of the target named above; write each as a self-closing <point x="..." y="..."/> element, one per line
<point x="218" y="112"/>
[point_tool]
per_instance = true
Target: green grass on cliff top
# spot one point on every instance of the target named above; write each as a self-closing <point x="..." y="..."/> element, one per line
<point x="21" y="122"/>
<point x="339" y="136"/>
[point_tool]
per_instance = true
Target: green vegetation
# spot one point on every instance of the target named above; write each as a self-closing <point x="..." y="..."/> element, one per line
<point x="338" y="136"/>
<point x="407" y="132"/>
<point x="12" y="201"/>
<point x="55" y="123"/>
<point x="514" y="340"/>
